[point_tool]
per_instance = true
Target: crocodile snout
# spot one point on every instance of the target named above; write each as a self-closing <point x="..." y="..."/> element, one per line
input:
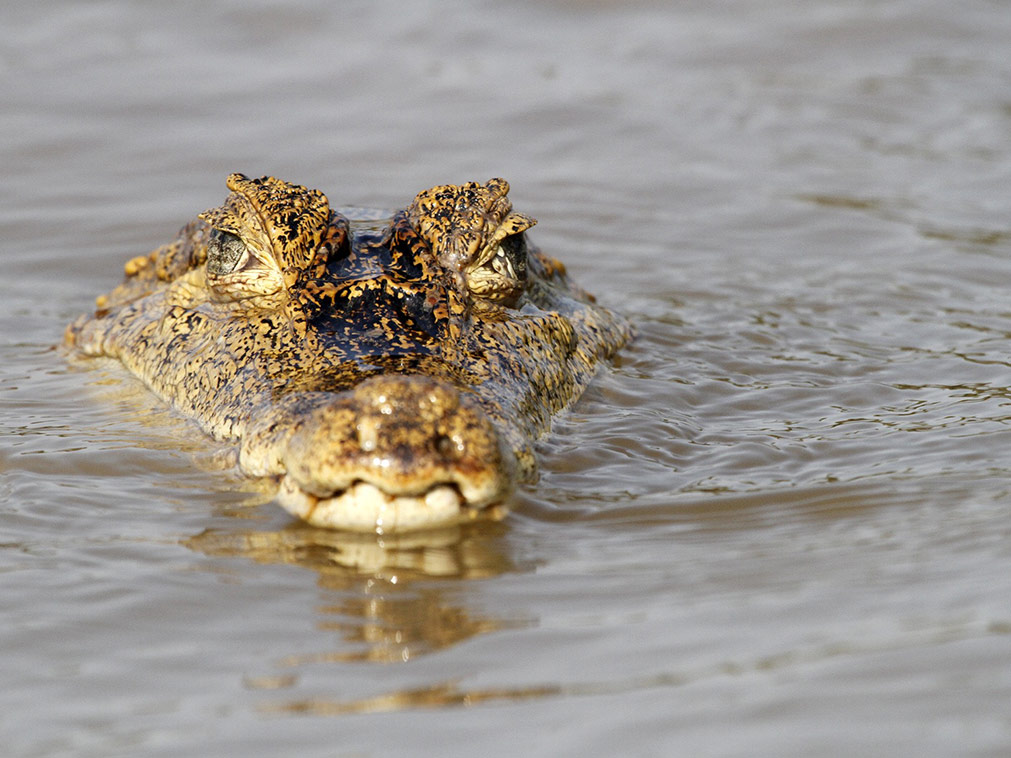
<point x="396" y="452"/>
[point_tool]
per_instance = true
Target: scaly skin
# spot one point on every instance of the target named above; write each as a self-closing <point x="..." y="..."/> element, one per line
<point x="387" y="381"/>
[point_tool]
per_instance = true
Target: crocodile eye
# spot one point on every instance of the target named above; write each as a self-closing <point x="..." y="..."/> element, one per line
<point x="226" y="253"/>
<point x="511" y="258"/>
<point x="502" y="277"/>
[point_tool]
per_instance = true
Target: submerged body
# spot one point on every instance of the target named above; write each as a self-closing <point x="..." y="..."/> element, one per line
<point x="389" y="379"/>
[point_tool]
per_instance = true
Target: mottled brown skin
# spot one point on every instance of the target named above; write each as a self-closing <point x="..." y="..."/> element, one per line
<point x="389" y="380"/>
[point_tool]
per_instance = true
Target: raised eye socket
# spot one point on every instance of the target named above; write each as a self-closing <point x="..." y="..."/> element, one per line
<point x="226" y="253"/>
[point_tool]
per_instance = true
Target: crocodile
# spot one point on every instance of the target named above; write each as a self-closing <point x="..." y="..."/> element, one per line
<point x="388" y="373"/>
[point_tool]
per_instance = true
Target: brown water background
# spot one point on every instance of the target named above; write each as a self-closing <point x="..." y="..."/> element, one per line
<point x="779" y="527"/>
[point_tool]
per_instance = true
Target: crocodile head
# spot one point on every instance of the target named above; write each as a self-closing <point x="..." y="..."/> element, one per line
<point x="388" y="375"/>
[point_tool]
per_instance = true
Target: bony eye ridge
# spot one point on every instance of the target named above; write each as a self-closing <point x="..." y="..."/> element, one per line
<point x="226" y="253"/>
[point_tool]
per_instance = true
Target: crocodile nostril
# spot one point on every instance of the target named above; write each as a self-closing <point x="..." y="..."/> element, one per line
<point x="445" y="446"/>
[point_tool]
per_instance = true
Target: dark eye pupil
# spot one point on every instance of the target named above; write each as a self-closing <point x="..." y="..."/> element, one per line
<point x="225" y="252"/>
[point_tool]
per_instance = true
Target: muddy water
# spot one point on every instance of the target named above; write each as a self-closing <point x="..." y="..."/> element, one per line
<point x="778" y="527"/>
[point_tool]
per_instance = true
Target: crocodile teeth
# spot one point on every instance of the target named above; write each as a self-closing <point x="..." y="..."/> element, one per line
<point x="365" y="507"/>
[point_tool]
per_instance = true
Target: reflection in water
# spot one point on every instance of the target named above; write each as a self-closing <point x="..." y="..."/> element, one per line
<point x="448" y="694"/>
<point x="386" y="606"/>
<point x="442" y="695"/>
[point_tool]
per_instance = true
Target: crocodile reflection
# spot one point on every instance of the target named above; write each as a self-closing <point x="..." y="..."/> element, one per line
<point x="383" y="607"/>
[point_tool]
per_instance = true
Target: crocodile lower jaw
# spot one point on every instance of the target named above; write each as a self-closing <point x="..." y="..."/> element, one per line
<point x="364" y="507"/>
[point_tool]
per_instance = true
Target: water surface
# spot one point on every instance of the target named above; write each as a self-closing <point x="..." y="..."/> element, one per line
<point x="778" y="526"/>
